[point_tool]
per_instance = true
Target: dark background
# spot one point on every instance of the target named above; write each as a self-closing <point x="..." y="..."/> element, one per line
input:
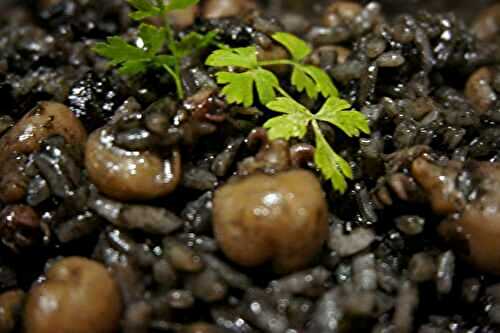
<point x="464" y="8"/>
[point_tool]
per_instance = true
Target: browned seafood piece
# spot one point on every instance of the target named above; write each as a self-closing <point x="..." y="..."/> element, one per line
<point x="129" y="175"/>
<point x="216" y="9"/>
<point x="279" y="218"/>
<point x="473" y="223"/>
<point x="341" y="12"/>
<point x="476" y="230"/>
<point x="45" y="120"/>
<point x="479" y="90"/>
<point x="78" y="295"/>
<point x="487" y="24"/>
<point x="11" y="303"/>
<point x="439" y="183"/>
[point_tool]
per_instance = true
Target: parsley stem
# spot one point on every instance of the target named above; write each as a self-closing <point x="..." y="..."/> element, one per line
<point x="177" y="79"/>
<point x="280" y="62"/>
<point x="283" y="92"/>
<point x="277" y="62"/>
<point x="318" y="136"/>
<point x="175" y="71"/>
<point x="317" y="130"/>
<point x="170" y="37"/>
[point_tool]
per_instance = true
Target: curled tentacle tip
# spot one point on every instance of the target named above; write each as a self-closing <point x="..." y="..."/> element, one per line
<point x="257" y="136"/>
<point x="302" y="154"/>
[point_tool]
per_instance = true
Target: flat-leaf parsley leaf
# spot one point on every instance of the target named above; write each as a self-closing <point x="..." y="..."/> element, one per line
<point x="338" y="112"/>
<point x="245" y="74"/>
<point x="146" y="8"/>
<point x="244" y="57"/>
<point x="149" y="8"/>
<point x="298" y="48"/>
<point x="293" y="123"/>
<point x="332" y="166"/>
<point x="304" y="77"/>
<point x="296" y="120"/>
<point x="149" y="50"/>
<point x="179" y="4"/>
<point x="239" y="87"/>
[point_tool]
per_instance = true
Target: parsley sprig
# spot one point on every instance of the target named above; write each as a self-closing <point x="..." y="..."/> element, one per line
<point x="295" y="121"/>
<point x="239" y="85"/>
<point x="246" y="72"/>
<point x="241" y="73"/>
<point x="149" y="50"/>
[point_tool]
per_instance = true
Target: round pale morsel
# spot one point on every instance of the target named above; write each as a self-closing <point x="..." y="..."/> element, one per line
<point x="19" y="227"/>
<point x="275" y="52"/>
<point x="11" y="303"/>
<point x="280" y="219"/>
<point x="216" y="9"/>
<point x="129" y="175"/>
<point x="43" y="121"/>
<point x="325" y="55"/>
<point x="438" y="182"/>
<point x="183" y="18"/>
<point x="342" y="54"/>
<point x="46" y="119"/>
<point x="13" y="180"/>
<point x="479" y="90"/>
<point x="341" y="12"/>
<point x="78" y="296"/>
<point x="487" y="24"/>
<point x="475" y="231"/>
<point x="472" y="223"/>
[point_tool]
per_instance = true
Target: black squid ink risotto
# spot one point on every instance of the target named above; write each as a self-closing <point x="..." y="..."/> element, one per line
<point x="244" y="166"/>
